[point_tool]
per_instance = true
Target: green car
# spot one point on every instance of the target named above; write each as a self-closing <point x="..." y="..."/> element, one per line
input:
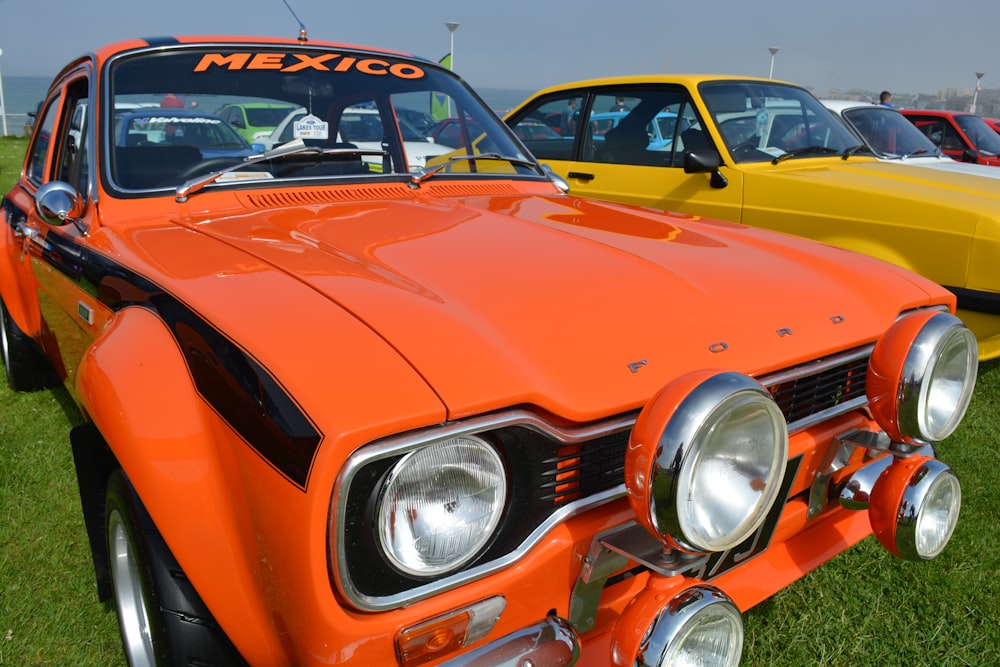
<point x="254" y="119"/>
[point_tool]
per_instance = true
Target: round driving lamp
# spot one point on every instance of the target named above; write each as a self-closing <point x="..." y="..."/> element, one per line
<point x="440" y="506"/>
<point x="921" y="375"/>
<point x="914" y="507"/>
<point x="705" y="461"/>
<point x="699" y="625"/>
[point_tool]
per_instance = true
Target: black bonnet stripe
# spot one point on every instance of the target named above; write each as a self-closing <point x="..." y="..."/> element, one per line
<point x="235" y="384"/>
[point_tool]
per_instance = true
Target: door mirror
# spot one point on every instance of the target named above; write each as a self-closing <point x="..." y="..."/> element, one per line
<point x="59" y="203"/>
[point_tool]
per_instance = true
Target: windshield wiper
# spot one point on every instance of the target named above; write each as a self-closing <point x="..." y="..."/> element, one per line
<point x="417" y="179"/>
<point x="854" y="150"/>
<point x="808" y="150"/>
<point x="291" y="148"/>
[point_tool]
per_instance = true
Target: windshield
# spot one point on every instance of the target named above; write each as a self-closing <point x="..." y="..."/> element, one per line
<point x="185" y="112"/>
<point x="984" y="138"/>
<point x="761" y="121"/>
<point x="889" y="133"/>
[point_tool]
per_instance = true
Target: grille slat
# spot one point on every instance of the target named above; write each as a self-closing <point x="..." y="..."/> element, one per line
<point x="801" y="393"/>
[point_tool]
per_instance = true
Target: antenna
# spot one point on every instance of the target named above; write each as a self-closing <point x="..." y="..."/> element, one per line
<point x="303" y="34"/>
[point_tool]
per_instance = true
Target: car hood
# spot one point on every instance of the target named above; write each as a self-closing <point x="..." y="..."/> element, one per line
<point x="971" y="191"/>
<point x="843" y="201"/>
<point x="579" y="307"/>
<point x="950" y="165"/>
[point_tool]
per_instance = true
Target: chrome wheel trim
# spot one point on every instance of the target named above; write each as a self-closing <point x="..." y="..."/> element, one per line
<point x="4" y="342"/>
<point x="130" y="600"/>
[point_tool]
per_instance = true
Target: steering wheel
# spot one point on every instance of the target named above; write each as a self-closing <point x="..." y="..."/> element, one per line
<point x="746" y="147"/>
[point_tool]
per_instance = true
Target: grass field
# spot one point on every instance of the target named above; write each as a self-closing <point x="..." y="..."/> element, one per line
<point x="863" y="608"/>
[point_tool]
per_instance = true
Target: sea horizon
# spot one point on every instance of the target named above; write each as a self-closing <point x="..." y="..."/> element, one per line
<point x="21" y="94"/>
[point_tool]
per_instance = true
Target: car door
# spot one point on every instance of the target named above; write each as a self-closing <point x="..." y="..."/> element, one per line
<point x="628" y="144"/>
<point x="940" y="131"/>
<point x="69" y="312"/>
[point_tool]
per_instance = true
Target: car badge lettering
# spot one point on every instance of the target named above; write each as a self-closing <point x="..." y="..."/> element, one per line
<point x="837" y="319"/>
<point x="718" y="347"/>
<point x="784" y="331"/>
<point x="635" y="366"/>
<point x="327" y="62"/>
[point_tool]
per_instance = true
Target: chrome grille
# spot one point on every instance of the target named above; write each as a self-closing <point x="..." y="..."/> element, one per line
<point x="557" y="471"/>
<point x="806" y="395"/>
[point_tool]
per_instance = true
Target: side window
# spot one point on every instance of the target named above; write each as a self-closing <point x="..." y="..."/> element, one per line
<point x="932" y="129"/>
<point x="549" y="128"/>
<point x="950" y="139"/>
<point x="39" y="150"/>
<point x="234" y="117"/>
<point x="637" y="126"/>
<point x="73" y="160"/>
<point x="607" y="111"/>
<point x="691" y="133"/>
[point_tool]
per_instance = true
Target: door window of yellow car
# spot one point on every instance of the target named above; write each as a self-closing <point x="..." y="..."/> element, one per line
<point x="642" y="126"/>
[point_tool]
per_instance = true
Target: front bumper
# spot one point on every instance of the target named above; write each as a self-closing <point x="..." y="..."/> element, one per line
<point x="663" y="612"/>
<point x="551" y="643"/>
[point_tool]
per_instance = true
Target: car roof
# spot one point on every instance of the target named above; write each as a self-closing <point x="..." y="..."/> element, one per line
<point x="843" y="105"/>
<point x="690" y="80"/>
<point x="935" y="112"/>
<point x="110" y="50"/>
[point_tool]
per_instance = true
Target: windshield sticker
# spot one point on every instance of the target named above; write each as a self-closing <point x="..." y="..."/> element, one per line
<point x="296" y="62"/>
<point x="156" y="120"/>
<point x="311" y="127"/>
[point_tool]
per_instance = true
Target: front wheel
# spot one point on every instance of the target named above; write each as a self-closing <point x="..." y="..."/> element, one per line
<point x="162" y="620"/>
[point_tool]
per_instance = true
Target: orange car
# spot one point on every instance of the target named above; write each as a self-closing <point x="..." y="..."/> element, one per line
<point x="341" y="412"/>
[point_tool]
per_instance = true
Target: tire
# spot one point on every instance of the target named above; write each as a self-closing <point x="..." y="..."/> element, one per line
<point x="28" y="369"/>
<point x="162" y="620"/>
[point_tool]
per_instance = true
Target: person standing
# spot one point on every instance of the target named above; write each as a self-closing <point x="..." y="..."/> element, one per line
<point x="619" y="105"/>
<point x="567" y="124"/>
<point x="885" y="99"/>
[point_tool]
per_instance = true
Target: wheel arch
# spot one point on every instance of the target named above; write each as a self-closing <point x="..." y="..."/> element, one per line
<point x="145" y="416"/>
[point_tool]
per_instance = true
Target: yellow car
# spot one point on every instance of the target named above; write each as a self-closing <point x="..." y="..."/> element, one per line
<point x="768" y="154"/>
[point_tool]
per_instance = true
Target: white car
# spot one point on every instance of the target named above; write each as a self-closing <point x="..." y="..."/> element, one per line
<point x="362" y="128"/>
<point x="892" y="137"/>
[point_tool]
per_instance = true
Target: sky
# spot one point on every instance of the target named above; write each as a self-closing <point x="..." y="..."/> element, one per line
<point x="526" y="45"/>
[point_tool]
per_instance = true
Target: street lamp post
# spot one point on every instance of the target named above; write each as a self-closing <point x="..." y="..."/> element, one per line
<point x="3" y="106"/>
<point x="452" y="27"/>
<point x="975" y="96"/>
<point x="773" y="50"/>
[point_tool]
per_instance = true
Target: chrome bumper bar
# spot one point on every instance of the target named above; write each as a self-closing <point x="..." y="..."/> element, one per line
<point x="550" y="643"/>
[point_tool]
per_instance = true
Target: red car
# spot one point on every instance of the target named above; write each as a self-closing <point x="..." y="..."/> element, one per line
<point x="963" y="136"/>
<point x="994" y="123"/>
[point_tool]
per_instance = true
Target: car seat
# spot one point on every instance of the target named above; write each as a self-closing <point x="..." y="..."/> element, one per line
<point x="626" y="144"/>
<point x="695" y="139"/>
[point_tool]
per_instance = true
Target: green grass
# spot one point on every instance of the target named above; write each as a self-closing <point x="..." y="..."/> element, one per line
<point x="49" y="613"/>
<point x="863" y="608"/>
<point x="866" y="607"/>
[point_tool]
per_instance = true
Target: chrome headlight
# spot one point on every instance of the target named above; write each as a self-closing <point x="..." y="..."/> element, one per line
<point x="697" y="626"/>
<point x="921" y="376"/>
<point x="915" y="506"/>
<point x="705" y="461"/>
<point x="440" y="505"/>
